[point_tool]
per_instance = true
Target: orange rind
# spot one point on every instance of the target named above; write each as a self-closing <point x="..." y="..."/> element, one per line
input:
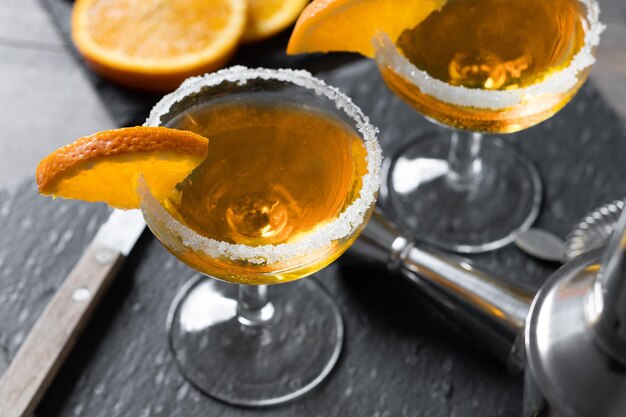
<point x="268" y="17"/>
<point x="106" y="166"/>
<point x="351" y="25"/>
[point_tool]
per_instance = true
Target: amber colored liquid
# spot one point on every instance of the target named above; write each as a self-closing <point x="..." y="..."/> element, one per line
<point x="273" y="174"/>
<point x="492" y="45"/>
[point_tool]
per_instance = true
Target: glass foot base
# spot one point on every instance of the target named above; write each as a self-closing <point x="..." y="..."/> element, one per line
<point x="254" y="366"/>
<point x="485" y="215"/>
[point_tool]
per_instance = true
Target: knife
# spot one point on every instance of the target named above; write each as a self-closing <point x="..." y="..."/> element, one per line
<point x="56" y="331"/>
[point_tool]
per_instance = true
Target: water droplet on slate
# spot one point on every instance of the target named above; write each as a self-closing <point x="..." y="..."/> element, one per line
<point x="447" y="388"/>
<point x="182" y="392"/>
<point x="18" y="338"/>
<point x="78" y="410"/>
<point x="99" y="390"/>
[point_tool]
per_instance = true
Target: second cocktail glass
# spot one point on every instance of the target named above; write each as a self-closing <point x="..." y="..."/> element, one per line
<point x="484" y="66"/>
<point x="290" y="181"/>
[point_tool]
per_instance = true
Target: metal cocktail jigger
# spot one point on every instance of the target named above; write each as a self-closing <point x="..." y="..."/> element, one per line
<point x="571" y="342"/>
<point x="485" y="304"/>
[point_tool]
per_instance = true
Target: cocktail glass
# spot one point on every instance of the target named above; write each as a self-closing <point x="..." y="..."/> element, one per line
<point x="243" y="344"/>
<point x="457" y="191"/>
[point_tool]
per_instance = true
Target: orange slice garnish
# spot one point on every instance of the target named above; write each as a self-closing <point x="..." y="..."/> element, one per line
<point x="350" y="25"/>
<point x="268" y="17"/>
<point x="155" y="45"/>
<point x="106" y="166"/>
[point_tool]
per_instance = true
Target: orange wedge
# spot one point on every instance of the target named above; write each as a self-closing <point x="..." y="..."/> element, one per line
<point x="106" y="166"/>
<point x="350" y="25"/>
<point x="155" y="45"/>
<point x="268" y="17"/>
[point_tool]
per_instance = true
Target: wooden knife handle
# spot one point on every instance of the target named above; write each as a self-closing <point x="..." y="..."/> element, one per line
<point x="56" y="331"/>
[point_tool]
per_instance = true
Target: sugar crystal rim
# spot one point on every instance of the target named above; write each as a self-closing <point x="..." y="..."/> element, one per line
<point x="342" y="226"/>
<point x="560" y="82"/>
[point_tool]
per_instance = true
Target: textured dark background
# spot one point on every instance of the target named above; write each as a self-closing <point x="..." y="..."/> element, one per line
<point x="400" y="357"/>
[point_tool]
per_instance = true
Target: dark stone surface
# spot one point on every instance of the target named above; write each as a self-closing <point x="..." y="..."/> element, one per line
<point x="400" y="358"/>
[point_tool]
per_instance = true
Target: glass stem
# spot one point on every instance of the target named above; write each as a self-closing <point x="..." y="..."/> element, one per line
<point x="253" y="308"/>
<point x="465" y="165"/>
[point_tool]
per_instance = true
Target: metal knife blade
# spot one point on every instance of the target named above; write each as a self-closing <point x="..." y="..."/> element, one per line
<point x="56" y="331"/>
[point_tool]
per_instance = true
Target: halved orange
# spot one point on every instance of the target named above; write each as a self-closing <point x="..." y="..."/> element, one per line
<point x="350" y="25"/>
<point x="155" y="45"/>
<point x="106" y="166"/>
<point x="268" y="17"/>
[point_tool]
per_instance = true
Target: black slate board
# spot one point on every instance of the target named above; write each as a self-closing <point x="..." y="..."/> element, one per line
<point x="400" y="358"/>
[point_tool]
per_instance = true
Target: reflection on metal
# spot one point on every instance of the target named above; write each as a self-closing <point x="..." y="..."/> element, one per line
<point x="574" y="339"/>
<point x="488" y="306"/>
<point x="541" y="244"/>
<point x="594" y="230"/>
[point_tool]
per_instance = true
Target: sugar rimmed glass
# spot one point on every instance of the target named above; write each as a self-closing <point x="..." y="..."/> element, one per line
<point x="458" y="191"/>
<point x="256" y="345"/>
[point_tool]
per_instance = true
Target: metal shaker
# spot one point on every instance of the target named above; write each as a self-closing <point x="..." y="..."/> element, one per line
<point x="571" y="342"/>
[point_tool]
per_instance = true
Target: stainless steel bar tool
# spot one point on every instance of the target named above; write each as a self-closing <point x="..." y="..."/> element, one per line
<point x="576" y="337"/>
<point x="487" y="305"/>
<point x="572" y="340"/>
